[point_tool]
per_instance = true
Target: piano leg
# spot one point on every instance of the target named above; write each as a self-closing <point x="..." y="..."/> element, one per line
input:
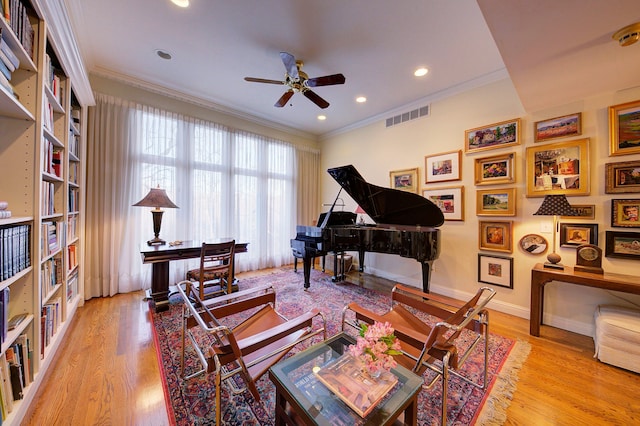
<point x="306" y="264"/>
<point x="426" y="276"/>
<point x="361" y="260"/>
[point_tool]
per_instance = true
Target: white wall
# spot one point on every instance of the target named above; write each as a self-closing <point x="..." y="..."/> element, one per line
<point x="375" y="150"/>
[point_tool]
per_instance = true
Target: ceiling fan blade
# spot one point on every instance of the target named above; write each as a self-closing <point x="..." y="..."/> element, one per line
<point x="263" y="80"/>
<point x="327" y="80"/>
<point x="284" y="99"/>
<point x="313" y="97"/>
<point x="290" y="65"/>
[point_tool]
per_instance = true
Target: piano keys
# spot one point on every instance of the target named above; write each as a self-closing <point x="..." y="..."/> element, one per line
<point x="405" y="224"/>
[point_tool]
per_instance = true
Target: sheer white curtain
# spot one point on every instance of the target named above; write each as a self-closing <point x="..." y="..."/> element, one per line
<point x="227" y="183"/>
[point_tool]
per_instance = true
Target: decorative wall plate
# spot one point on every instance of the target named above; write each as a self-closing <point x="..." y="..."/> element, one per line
<point x="534" y="244"/>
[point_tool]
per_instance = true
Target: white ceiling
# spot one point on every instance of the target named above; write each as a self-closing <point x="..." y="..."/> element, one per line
<point x="554" y="51"/>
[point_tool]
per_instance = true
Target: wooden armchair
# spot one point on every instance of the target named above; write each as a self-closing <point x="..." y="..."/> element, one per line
<point x="251" y="347"/>
<point x="434" y="347"/>
<point x="216" y="269"/>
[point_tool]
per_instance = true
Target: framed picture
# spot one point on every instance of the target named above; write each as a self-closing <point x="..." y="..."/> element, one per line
<point x="584" y="211"/>
<point x="495" y="270"/>
<point x="498" y="135"/>
<point x="494" y="170"/>
<point x="496" y="236"/>
<point x="624" y="213"/>
<point x="450" y="200"/>
<point x="558" y="168"/>
<point x="443" y="167"/>
<point x="496" y="202"/>
<point x="624" y="132"/>
<point x="576" y="234"/>
<point x="405" y="180"/>
<point x="622" y="177"/>
<point x="623" y="244"/>
<point x="559" y="127"/>
<point x="534" y="244"/>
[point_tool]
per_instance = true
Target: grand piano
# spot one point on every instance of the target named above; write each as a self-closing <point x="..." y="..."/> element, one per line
<point x="405" y="225"/>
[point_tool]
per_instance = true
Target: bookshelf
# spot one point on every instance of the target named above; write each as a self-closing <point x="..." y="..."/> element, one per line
<point x="42" y="153"/>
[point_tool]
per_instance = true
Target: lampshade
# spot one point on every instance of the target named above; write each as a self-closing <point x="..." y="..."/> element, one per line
<point x="555" y="205"/>
<point x="156" y="198"/>
<point x="359" y="210"/>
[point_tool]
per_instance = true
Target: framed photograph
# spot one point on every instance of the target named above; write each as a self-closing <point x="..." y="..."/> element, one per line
<point x="624" y="131"/>
<point x="496" y="202"/>
<point x="405" y="180"/>
<point x="498" y="135"/>
<point x="443" y="167"/>
<point x="576" y="234"/>
<point x="622" y="177"/>
<point x="559" y="127"/>
<point x="623" y="244"/>
<point x="494" y="170"/>
<point x="450" y="200"/>
<point x="495" y="270"/>
<point x="496" y="236"/>
<point x="584" y="211"/>
<point x="558" y="168"/>
<point x="534" y="244"/>
<point x="624" y="213"/>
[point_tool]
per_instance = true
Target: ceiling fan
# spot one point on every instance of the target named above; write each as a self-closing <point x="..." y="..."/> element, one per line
<point x="298" y="81"/>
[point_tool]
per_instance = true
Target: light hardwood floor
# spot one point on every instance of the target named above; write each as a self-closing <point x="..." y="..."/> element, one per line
<point x="106" y="373"/>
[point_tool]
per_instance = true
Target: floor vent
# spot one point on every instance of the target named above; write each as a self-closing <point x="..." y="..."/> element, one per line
<point x="408" y="116"/>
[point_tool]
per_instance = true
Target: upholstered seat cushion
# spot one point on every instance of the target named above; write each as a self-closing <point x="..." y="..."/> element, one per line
<point x="617" y="339"/>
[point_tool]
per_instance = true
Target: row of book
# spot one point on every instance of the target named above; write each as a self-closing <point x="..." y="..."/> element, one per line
<point x="72" y="286"/>
<point x="51" y="237"/>
<point x="52" y="80"/>
<point x="74" y="199"/>
<point x="73" y="172"/>
<point x="51" y="275"/>
<point x="5" y="213"/>
<point x="72" y="257"/>
<point x="52" y="158"/>
<point x="15" y="249"/>
<point x="9" y="62"/>
<point x="15" y="373"/>
<point x="50" y="321"/>
<point x="72" y="227"/>
<point x="16" y="15"/>
<point x="47" y="203"/>
<point x="47" y="115"/>
<point x="4" y="313"/>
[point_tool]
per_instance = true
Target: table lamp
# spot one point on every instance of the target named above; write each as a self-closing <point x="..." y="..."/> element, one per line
<point x="156" y="198"/>
<point x="555" y="205"/>
<point x="359" y="210"/>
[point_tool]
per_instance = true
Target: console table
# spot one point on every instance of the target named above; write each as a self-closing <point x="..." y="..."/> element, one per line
<point x="540" y="276"/>
<point x="160" y="256"/>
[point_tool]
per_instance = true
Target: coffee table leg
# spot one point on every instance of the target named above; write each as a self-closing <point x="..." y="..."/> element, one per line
<point x="281" y="407"/>
<point x="411" y="412"/>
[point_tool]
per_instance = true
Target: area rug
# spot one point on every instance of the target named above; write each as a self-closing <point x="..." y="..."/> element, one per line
<point x="192" y="402"/>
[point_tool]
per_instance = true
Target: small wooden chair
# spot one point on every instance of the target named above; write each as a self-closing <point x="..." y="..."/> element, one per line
<point x="216" y="269"/>
<point x="434" y="347"/>
<point x="251" y="347"/>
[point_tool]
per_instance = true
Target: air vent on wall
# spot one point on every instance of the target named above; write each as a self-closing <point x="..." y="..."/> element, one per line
<point x="408" y="116"/>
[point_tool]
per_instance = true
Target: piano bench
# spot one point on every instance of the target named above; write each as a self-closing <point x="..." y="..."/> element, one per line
<point x="348" y="261"/>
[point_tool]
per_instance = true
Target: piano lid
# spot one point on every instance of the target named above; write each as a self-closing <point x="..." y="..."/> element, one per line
<point x="385" y="205"/>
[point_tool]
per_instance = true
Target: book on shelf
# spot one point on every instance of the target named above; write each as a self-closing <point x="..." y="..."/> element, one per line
<point x="4" y="70"/>
<point x="11" y="57"/>
<point x="345" y="378"/>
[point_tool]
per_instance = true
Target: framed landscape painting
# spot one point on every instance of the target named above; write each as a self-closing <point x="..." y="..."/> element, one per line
<point x="559" y="127"/>
<point x="558" y="168"/>
<point x="498" y="135"/>
<point x="405" y="180"/>
<point x="450" y="200"/>
<point x="442" y="167"/>
<point x="494" y="170"/>
<point x="496" y="202"/>
<point x="623" y="244"/>
<point x="624" y="128"/>
<point x="622" y="177"/>
<point x="496" y="236"/>
<point x="576" y="234"/>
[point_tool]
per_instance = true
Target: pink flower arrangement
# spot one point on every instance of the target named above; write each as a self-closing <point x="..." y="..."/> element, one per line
<point x="376" y="346"/>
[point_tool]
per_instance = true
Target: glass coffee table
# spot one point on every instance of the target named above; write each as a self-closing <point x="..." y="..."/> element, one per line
<point x="302" y="399"/>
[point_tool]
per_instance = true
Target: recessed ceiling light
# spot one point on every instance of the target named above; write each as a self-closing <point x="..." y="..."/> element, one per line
<point x="361" y="99"/>
<point x="420" y="72"/>
<point x="181" y="3"/>
<point x="322" y="117"/>
<point x="163" y="54"/>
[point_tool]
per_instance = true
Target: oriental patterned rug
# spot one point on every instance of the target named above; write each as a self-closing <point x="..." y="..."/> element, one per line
<point x="192" y="402"/>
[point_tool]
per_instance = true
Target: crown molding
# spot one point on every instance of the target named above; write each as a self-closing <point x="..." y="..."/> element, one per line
<point x="62" y="38"/>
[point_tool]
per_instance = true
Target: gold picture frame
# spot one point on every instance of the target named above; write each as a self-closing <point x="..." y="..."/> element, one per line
<point x="583" y="211"/>
<point x="496" y="202"/>
<point x="624" y="213"/>
<point x="624" y="134"/>
<point x="558" y="127"/>
<point x="497" y="135"/>
<point x="496" y="235"/>
<point x="558" y="168"/>
<point x="404" y="180"/>
<point x="622" y="177"/>
<point x="494" y="170"/>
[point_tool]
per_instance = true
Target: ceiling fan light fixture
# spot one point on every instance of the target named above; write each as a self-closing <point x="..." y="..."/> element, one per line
<point x="628" y="35"/>
<point x="421" y="72"/>
<point x="181" y="3"/>
<point x="361" y="99"/>
<point x="163" y="54"/>
<point x="322" y="117"/>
